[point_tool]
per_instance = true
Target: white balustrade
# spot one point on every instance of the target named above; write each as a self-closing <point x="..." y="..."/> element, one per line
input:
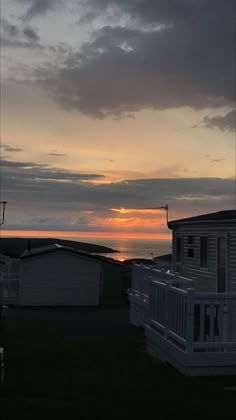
<point x="215" y="320"/>
<point x="9" y="290"/>
<point x="193" y="321"/>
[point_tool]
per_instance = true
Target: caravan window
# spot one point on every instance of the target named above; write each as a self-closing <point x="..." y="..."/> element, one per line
<point x="191" y="252"/>
<point x="190" y="239"/>
<point x="203" y="252"/>
<point x="178" y="249"/>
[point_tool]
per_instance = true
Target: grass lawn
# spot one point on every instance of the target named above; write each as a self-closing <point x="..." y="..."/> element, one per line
<point x="50" y="375"/>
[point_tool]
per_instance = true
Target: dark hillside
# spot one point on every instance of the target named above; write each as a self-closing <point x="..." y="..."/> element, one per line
<point x="15" y="246"/>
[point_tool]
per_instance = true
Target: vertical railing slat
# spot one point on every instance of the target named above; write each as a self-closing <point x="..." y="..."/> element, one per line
<point x="166" y="309"/>
<point x="190" y="321"/>
<point x="221" y="320"/>
<point x="182" y="316"/>
<point x="174" y="311"/>
<point x="212" y="316"/>
<point x="202" y="321"/>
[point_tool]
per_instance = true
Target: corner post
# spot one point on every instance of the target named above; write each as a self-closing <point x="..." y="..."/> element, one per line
<point x="167" y="309"/>
<point x="190" y="320"/>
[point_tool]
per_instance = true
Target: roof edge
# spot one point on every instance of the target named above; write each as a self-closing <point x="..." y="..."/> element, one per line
<point x="187" y="222"/>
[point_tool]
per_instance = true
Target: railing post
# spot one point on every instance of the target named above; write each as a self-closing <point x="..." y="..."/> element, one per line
<point x="151" y="300"/>
<point x="167" y="309"/>
<point x="190" y="320"/>
<point x="133" y="274"/>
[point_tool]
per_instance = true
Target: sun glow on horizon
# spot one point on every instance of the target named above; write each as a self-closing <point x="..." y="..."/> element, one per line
<point x="78" y="234"/>
<point x="123" y="210"/>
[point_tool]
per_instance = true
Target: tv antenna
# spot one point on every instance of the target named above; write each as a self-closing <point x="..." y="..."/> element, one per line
<point x="165" y="207"/>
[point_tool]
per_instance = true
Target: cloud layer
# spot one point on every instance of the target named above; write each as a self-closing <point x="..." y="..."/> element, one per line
<point x="113" y="58"/>
<point x="155" y="55"/>
<point x="18" y="36"/>
<point x="47" y="198"/>
<point x="23" y="171"/>
<point x="40" y="7"/>
<point x="165" y="56"/>
<point x="223" y="122"/>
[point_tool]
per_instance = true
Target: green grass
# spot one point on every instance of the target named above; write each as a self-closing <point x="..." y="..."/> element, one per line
<point x="48" y="376"/>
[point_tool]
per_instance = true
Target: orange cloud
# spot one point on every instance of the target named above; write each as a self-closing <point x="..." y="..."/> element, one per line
<point x="123" y="210"/>
<point x="133" y="222"/>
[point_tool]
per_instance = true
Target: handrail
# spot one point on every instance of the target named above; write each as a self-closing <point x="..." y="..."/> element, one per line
<point x="214" y="344"/>
<point x="159" y="275"/>
<point x="218" y="296"/>
<point x="159" y="283"/>
<point x="177" y="312"/>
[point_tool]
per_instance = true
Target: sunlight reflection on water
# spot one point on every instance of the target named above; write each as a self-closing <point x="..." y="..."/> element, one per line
<point x="132" y="248"/>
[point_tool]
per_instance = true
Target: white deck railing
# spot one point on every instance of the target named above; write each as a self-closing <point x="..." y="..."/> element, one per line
<point x="9" y="290"/>
<point x="142" y="276"/>
<point x="214" y="321"/>
<point x="168" y="308"/>
<point x="194" y="322"/>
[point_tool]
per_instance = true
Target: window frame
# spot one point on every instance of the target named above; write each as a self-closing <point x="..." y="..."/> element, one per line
<point x="179" y="249"/>
<point x="190" y="240"/>
<point x="190" y="250"/>
<point x="204" y="266"/>
<point x="225" y="236"/>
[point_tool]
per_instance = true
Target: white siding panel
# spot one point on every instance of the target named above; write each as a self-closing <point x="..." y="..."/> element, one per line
<point x="232" y="260"/>
<point x="60" y="279"/>
<point x="206" y="279"/>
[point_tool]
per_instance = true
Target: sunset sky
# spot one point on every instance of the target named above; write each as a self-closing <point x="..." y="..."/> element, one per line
<point x="112" y="106"/>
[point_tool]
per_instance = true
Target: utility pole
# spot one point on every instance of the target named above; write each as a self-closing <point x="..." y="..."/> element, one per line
<point x="2" y="219"/>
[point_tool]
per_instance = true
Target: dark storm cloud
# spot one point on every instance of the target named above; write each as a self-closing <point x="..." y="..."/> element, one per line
<point x="225" y="122"/>
<point x="169" y="54"/>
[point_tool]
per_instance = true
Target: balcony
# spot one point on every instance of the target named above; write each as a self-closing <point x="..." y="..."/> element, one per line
<point x="195" y="332"/>
<point x="9" y="289"/>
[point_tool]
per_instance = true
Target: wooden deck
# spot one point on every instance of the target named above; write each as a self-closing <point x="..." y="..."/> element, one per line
<point x="195" y="332"/>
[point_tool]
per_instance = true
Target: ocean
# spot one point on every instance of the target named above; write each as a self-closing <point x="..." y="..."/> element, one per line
<point x="131" y="248"/>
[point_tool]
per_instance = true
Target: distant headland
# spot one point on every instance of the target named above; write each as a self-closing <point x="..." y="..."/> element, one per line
<point x="14" y="247"/>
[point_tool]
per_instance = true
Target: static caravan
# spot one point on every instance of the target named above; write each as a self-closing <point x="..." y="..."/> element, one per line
<point x="57" y="275"/>
<point x="204" y="248"/>
<point x="9" y="279"/>
<point x="189" y="312"/>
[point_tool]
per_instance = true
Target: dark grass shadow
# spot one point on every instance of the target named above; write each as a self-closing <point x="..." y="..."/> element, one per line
<point x="50" y="375"/>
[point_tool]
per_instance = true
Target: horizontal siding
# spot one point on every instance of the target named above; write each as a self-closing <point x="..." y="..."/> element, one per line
<point x="232" y="260"/>
<point x="206" y="279"/>
<point x="60" y="279"/>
